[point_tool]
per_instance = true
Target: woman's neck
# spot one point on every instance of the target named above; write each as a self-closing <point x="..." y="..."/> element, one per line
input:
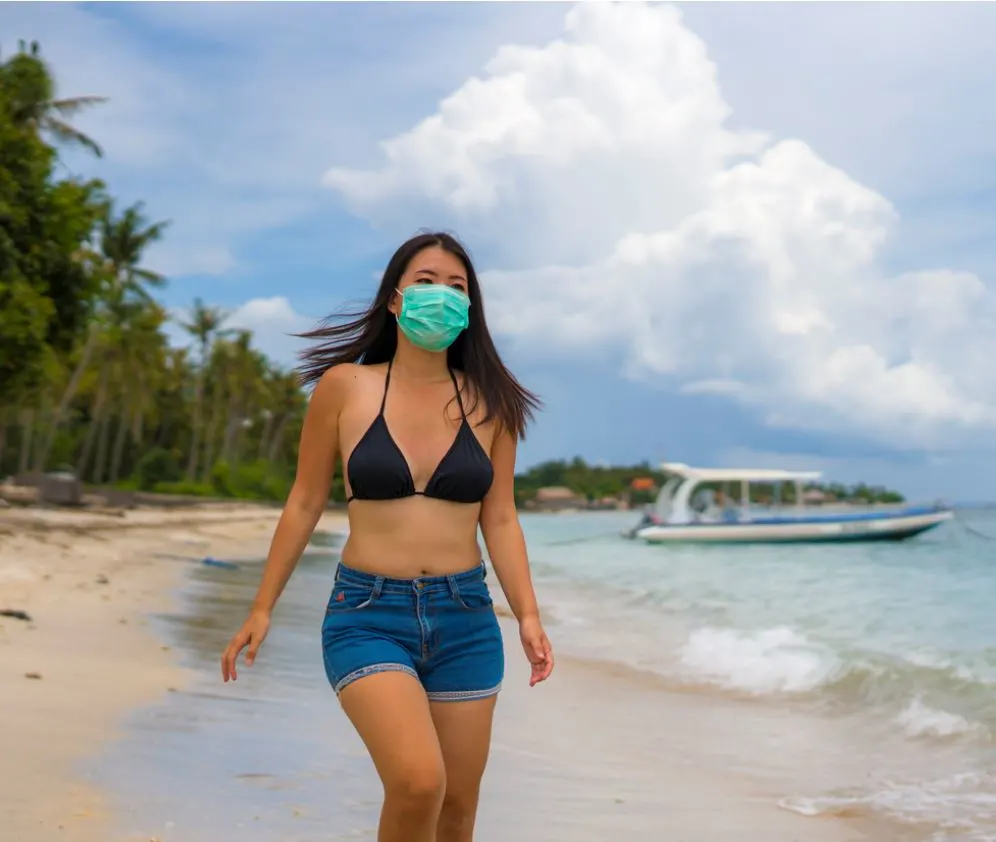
<point x="415" y="364"/>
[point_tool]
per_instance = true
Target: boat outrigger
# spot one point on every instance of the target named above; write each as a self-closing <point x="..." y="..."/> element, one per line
<point x="679" y="515"/>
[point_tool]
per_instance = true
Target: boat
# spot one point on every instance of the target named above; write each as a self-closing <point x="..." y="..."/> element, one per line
<point x="691" y="509"/>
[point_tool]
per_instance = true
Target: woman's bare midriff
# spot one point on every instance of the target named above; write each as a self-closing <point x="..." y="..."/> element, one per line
<point x="412" y="537"/>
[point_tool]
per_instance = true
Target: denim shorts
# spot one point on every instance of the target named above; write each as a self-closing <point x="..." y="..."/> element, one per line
<point x="440" y="629"/>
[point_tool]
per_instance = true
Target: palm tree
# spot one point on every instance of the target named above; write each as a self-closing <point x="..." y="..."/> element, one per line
<point x="287" y="404"/>
<point x="32" y="90"/>
<point x="204" y="325"/>
<point x="243" y="382"/>
<point x="122" y="242"/>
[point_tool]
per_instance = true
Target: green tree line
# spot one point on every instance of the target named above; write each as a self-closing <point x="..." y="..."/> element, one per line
<point x="597" y="482"/>
<point x="592" y="482"/>
<point x="88" y="379"/>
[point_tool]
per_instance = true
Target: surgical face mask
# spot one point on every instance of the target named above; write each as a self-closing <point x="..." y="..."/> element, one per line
<point x="433" y="315"/>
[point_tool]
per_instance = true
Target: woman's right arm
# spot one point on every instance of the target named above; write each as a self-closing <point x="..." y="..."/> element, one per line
<point x="310" y="493"/>
<point x="305" y="504"/>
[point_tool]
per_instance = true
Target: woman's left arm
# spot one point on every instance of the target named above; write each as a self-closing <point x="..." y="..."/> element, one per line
<point x="507" y="550"/>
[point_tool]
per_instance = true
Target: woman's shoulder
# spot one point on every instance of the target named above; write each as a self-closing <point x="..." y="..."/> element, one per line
<point x="337" y="385"/>
<point x="343" y="374"/>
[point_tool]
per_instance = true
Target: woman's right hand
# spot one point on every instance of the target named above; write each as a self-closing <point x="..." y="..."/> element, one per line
<point x="252" y="634"/>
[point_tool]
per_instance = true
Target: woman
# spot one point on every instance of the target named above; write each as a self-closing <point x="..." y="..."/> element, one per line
<point x="415" y="398"/>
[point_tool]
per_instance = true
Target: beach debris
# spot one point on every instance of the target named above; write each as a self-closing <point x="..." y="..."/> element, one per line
<point x="33" y="675"/>
<point x="214" y="562"/>
<point x="15" y="614"/>
<point x="102" y="579"/>
<point x="61" y="488"/>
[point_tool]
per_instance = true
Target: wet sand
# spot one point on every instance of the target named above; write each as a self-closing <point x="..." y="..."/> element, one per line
<point x="592" y="754"/>
<point x="86" y="657"/>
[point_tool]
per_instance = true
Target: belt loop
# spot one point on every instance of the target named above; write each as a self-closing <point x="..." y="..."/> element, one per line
<point x="454" y="587"/>
<point x="378" y="587"/>
<point x="338" y="568"/>
<point x="484" y="570"/>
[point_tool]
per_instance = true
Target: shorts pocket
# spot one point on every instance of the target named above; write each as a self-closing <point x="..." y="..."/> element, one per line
<point x="348" y="596"/>
<point x="473" y="597"/>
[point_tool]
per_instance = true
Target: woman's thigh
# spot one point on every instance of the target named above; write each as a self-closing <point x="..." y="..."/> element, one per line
<point x="464" y="733"/>
<point x="391" y="714"/>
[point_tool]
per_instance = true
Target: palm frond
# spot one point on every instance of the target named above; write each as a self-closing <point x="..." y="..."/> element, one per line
<point x="67" y="134"/>
<point x="73" y="105"/>
<point x="151" y="278"/>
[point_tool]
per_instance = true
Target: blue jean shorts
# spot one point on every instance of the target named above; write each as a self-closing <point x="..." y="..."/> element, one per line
<point x="441" y="630"/>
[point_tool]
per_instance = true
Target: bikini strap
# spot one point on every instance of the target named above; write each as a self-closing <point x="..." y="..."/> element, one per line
<point x="387" y="382"/>
<point x="456" y="386"/>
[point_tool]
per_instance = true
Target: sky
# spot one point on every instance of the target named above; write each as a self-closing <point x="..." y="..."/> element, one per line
<point x="752" y="235"/>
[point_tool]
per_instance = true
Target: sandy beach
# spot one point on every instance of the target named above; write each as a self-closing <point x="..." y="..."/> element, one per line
<point x="593" y="753"/>
<point x="86" y="656"/>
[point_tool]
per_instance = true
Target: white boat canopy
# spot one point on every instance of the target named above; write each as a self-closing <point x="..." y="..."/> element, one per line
<point x="738" y="474"/>
<point x="673" y="501"/>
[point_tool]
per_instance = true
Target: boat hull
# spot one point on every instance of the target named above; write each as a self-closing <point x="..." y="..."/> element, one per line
<point x="896" y="526"/>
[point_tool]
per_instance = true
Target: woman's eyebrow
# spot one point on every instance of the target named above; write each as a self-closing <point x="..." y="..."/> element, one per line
<point x="435" y="274"/>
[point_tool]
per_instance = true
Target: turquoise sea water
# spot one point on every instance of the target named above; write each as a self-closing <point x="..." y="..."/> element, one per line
<point x="878" y="662"/>
<point x="890" y="647"/>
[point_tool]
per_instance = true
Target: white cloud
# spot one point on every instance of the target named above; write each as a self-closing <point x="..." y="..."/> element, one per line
<point x="625" y="213"/>
<point x="550" y="133"/>
<point x="266" y="314"/>
<point x="272" y="322"/>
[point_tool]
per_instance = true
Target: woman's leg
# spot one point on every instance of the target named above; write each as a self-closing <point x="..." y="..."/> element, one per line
<point x="464" y="730"/>
<point x="391" y="713"/>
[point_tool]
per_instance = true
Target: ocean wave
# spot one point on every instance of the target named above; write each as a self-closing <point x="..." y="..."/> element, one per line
<point x="919" y="721"/>
<point x="777" y="660"/>
<point x="959" y="807"/>
<point x="784" y="661"/>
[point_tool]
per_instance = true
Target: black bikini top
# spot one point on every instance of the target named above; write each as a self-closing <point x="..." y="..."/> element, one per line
<point x="378" y="470"/>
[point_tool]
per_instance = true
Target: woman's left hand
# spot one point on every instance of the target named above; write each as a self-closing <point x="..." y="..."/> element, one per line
<point x="537" y="647"/>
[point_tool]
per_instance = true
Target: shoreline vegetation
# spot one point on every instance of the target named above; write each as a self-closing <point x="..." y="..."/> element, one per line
<point x="92" y="392"/>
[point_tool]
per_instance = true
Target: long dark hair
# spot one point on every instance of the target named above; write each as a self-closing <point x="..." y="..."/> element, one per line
<point x="371" y="336"/>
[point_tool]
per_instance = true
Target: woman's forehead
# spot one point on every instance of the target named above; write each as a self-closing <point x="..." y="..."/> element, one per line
<point x="438" y="263"/>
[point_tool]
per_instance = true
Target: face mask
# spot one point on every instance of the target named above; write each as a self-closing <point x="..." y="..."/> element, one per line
<point x="433" y="315"/>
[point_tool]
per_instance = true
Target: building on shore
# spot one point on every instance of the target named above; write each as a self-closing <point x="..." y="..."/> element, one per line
<point x="556" y="498"/>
